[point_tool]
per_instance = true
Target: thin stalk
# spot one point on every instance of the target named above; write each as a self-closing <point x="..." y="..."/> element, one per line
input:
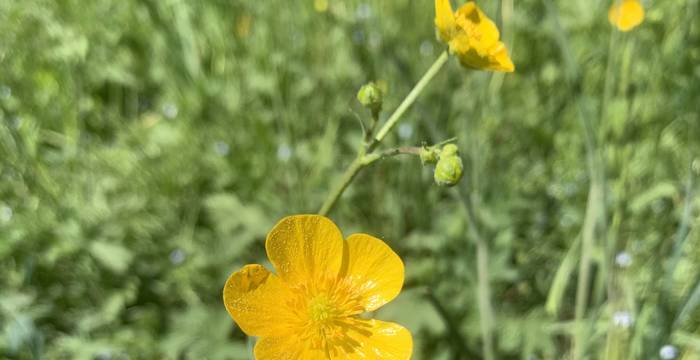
<point x="483" y="278"/>
<point x="595" y="208"/>
<point x="365" y="155"/>
<point x="340" y="187"/>
<point x="360" y="163"/>
<point x="618" y="339"/>
<point x="411" y="97"/>
<point x="584" y="276"/>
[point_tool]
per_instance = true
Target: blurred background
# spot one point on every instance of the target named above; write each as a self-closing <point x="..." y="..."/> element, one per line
<point x="146" y="148"/>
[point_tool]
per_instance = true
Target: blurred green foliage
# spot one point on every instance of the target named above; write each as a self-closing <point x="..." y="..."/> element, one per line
<point x="148" y="146"/>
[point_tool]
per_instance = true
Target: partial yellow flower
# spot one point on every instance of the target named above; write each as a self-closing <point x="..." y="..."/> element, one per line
<point x="321" y="5"/>
<point x="626" y="14"/>
<point x="243" y="25"/>
<point x="472" y="36"/>
<point x="310" y="309"/>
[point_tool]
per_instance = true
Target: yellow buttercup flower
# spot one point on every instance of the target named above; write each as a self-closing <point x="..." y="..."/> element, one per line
<point x="472" y="36"/>
<point x="626" y="14"/>
<point x="310" y="309"/>
<point x="321" y="5"/>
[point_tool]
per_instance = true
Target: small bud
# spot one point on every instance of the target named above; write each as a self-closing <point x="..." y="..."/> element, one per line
<point x="449" y="168"/>
<point x="449" y="150"/>
<point x="371" y="96"/>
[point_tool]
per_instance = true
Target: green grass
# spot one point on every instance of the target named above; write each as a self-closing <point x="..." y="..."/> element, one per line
<point x="146" y="148"/>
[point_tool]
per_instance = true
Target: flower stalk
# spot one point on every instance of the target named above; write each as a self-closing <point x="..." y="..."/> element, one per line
<point x="483" y="278"/>
<point x="366" y="155"/>
<point x="411" y="97"/>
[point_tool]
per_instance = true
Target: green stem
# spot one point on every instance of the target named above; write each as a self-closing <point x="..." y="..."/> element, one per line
<point x="412" y="96"/>
<point x="583" y="287"/>
<point x="345" y="181"/>
<point x="357" y="165"/>
<point x="483" y="278"/>
<point x="365" y="155"/>
<point x="595" y="209"/>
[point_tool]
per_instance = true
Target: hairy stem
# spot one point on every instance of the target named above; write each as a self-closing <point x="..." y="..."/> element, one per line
<point x="345" y="181"/>
<point x="411" y="97"/>
<point x="365" y="155"/>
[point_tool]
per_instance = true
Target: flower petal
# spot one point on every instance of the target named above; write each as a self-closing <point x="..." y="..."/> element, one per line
<point x="477" y="42"/>
<point x="444" y="19"/>
<point x="255" y="299"/>
<point x="373" y="339"/>
<point x="477" y="25"/>
<point x="500" y="61"/>
<point x="285" y="348"/>
<point x="373" y="270"/>
<point x="353" y="338"/>
<point x="305" y="249"/>
<point x="626" y="15"/>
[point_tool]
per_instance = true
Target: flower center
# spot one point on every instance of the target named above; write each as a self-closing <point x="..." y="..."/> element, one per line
<point x="321" y="308"/>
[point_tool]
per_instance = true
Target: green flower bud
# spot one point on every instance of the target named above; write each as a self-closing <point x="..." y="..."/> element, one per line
<point x="449" y="168"/>
<point x="371" y="96"/>
<point x="449" y="150"/>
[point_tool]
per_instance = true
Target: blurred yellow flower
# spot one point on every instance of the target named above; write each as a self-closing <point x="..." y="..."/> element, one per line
<point x="472" y="36"/>
<point x="321" y="5"/>
<point x="243" y="25"/>
<point x="310" y="308"/>
<point x="626" y="14"/>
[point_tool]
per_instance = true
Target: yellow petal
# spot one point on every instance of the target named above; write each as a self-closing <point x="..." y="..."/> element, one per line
<point x="444" y="19"/>
<point x="477" y="25"/>
<point x="500" y="61"/>
<point x="286" y="348"/>
<point x="305" y="249"/>
<point x="353" y="339"/>
<point x="477" y="43"/>
<point x="626" y="15"/>
<point x="374" y="271"/>
<point x="374" y="339"/>
<point x="255" y="299"/>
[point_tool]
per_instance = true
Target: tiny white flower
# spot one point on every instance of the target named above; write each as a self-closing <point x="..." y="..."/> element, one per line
<point x="5" y="92"/>
<point x="284" y="152"/>
<point x="623" y="319"/>
<point x="623" y="259"/>
<point x="363" y="12"/>
<point x="405" y="131"/>
<point x="177" y="256"/>
<point x="668" y="352"/>
<point x="221" y="148"/>
<point x="426" y="48"/>
<point x="170" y="110"/>
<point x="15" y="122"/>
<point x="5" y="214"/>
